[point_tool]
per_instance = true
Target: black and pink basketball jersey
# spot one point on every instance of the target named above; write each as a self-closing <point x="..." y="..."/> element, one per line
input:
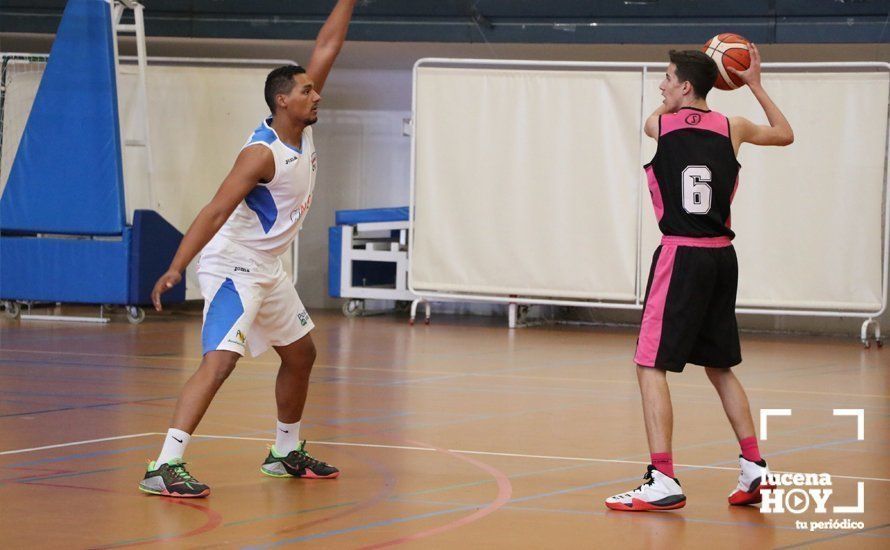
<point x="694" y="174"/>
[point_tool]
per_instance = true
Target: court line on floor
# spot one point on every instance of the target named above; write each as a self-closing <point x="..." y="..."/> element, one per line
<point x="440" y="372"/>
<point x="84" y="442"/>
<point x="415" y="448"/>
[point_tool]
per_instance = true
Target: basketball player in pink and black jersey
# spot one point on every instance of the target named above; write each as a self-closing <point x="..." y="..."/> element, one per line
<point x="689" y="312"/>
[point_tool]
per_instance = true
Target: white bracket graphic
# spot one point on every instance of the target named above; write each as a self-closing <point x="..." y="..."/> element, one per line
<point x="860" y="502"/>
<point x="766" y="413"/>
<point x="860" y="420"/>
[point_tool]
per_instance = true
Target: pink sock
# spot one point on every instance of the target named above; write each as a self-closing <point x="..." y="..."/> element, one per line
<point x="750" y="451"/>
<point x="663" y="462"/>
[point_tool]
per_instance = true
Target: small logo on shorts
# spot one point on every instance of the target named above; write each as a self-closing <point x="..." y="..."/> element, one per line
<point x="693" y="119"/>
<point x="240" y="338"/>
<point x="304" y="318"/>
<point x="242" y="269"/>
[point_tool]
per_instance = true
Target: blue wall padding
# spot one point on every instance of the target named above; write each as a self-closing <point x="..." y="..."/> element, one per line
<point x="335" y="243"/>
<point x="369" y="215"/>
<point x="66" y="176"/>
<point x="154" y="243"/>
<point x="64" y="270"/>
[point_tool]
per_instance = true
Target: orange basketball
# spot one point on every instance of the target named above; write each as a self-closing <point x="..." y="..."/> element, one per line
<point x="728" y="50"/>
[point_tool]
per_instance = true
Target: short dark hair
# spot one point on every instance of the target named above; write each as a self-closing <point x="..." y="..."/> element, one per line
<point x="697" y="68"/>
<point x="280" y="81"/>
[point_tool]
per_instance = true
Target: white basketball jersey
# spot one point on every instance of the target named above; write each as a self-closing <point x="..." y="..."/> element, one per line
<point x="269" y="217"/>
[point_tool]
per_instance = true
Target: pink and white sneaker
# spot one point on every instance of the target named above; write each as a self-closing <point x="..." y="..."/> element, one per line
<point x="659" y="492"/>
<point x="752" y="480"/>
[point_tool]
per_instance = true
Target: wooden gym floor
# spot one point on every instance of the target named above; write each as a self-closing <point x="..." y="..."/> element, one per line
<point x="459" y="434"/>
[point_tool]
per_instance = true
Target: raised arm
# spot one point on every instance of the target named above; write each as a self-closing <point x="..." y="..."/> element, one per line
<point x="328" y="43"/>
<point x="651" y="126"/>
<point x="253" y="165"/>
<point x="779" y="131"/>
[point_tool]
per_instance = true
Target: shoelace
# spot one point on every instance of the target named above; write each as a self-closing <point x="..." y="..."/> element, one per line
<point x="307" y="457"/>
<point x="181" y="473"/>
<point x="649" y="481"/>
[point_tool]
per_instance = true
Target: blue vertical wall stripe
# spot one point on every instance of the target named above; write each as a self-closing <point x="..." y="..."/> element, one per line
<point x="67" y="175"/>
<point x="335" y="243"/>
<point x="225" y="309"/>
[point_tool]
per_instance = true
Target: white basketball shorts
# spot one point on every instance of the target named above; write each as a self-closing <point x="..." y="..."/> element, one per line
<point x="249" y="301"/>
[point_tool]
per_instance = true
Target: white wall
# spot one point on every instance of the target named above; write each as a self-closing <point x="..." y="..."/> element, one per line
<point x="370" y="88"/>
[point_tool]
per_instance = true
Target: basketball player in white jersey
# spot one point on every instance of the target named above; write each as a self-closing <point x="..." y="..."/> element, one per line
<point x="249" y="302"/>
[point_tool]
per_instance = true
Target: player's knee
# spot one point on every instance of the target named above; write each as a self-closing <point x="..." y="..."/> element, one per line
<point x="303" y="359"/>
<point x="311" y="353"/>
<point x="220" y="365"/>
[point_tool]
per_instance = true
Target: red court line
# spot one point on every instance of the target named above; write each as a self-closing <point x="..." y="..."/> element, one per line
<point x="214" y="520"/>
<point x="386" y="489"/>
<point x="505" y="491"/>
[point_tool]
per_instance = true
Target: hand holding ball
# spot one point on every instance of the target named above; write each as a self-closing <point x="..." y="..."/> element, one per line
<point x="729" y="51"/>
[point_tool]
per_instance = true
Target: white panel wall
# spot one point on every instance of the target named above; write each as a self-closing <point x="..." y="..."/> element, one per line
<point x="526" y="182"/>
<point x="515" y="198"/>
<point x="807" y="216"/>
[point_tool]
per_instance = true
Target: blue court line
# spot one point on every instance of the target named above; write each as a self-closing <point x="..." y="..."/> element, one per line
<point x="475" y="418"/>
<point x="52" y="335"/>
<point x="58" y="476"/>
<point x="79" y="407"/>
<point x="545" y="409"/>
<point x="81" y="364"/>
<point x="69" y="394"/>
<point x="91" y="380"/>
<point x="567" y="363"/>
<point x="608" y="394"/>
<point x="79" y="456"/>
<point x="515" y="413"/>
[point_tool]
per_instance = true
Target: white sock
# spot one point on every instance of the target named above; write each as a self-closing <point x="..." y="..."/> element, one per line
<point x="287" y="436"/>
<point x="174" y="446"/>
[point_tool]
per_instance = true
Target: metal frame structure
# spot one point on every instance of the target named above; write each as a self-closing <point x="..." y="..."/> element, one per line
<point x="514" y="302"/>
<point x="138" y="29"/>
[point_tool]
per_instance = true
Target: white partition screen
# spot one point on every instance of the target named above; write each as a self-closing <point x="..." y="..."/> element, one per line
<point x="527" y="185"/>
<point x="518" y="194"/>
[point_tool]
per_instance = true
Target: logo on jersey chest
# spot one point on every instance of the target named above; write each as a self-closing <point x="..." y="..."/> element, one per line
<point x="292" y="159"/>
<point x="297" y="213"/>
<point x="314" y="161"/>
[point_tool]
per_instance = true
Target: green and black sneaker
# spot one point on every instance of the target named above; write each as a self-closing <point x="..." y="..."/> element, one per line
<point x="172" y="480"/>
<point x="297" y="463"/>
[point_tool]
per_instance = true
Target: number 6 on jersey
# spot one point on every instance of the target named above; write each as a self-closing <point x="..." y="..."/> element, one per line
<point x="696" y="191"/>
